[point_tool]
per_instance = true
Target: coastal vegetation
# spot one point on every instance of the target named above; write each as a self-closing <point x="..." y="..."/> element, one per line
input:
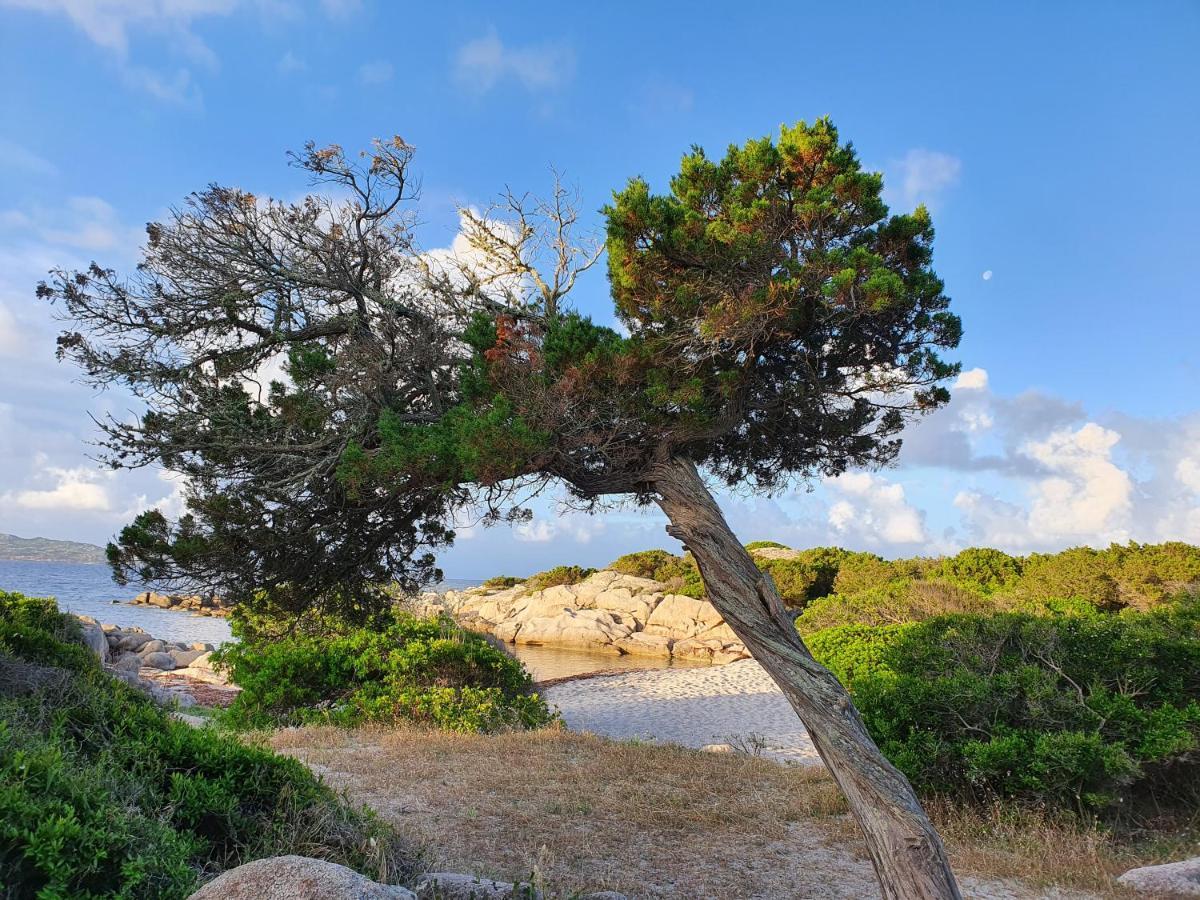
<point x="1070" y="681"/>
<point x="104" y="794"/>
<point x="398" y="669"/>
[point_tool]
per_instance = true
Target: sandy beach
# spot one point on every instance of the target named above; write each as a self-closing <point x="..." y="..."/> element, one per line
<point x="735" y="706"/>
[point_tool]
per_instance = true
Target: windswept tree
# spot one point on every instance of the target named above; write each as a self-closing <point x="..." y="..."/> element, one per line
<point x="780" y="325"/>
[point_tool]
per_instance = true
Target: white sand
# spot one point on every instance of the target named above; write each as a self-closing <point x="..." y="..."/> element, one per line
<point x="736" y="704"/>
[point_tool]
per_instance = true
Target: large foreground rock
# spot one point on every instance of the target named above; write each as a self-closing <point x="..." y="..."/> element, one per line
<point x="297" y="878"/>
<point x="94" y="637"/>
<point x="1177" y="879"/>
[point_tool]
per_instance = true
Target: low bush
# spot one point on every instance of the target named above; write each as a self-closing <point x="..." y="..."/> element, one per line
<point x="678" y="573"/>
<point x="556" y="576"/>
<point x="1089" y="712"/>
<point x="410" y="669"/>
<point x="102" y="794"/>
<point x="796" y="580"/>
<point x="980" y="569"/>
<point x="766" y="545"/>
<point x="499" y="582"/>
<point x="899" y="600"/>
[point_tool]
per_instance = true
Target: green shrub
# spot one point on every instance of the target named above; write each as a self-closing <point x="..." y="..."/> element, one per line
<point x="796" y="580"/>
<point x="899" y="600"/>
<point x="981" y="569"/>
<point x="766" y="545"/>
<point x="556" y="576"/>
<point x="678" y="573"/>
<point x="1093" y="712"/>
<point x="102" y="794"/>
<point x="499" y="582"/>
<point x="862" y="571"/>
<point x="1080" y="573"/>
<point x="427" y="671"/>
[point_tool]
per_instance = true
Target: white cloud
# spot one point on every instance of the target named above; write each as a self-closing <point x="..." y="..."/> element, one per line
<point x="972" y="380"/>
<point x="538" y="532"/>
<point x="1088" y="498"/>
<point x="987" y="275"/>
<point x="1187" y="470"/>
<point x="874" y="510"/>
<point x="922" y="176"/>
<point x="485" y="62"/>
<point x="376" y="72"/>
<point x="78" y="489"/>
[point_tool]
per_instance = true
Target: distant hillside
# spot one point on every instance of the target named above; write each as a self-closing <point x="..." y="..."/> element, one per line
<point x="46" y="550"/>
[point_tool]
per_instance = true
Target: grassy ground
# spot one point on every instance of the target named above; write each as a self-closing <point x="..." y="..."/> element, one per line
<point x="581" y="813"/>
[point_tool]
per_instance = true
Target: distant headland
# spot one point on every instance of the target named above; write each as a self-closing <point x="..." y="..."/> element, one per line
<point x="40" y="549"/>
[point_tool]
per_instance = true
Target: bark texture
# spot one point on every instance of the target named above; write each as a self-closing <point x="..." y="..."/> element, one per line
<point x="906" y="851"/>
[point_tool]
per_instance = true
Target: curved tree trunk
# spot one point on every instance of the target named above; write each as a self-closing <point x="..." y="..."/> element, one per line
<point x="906" y="851"/>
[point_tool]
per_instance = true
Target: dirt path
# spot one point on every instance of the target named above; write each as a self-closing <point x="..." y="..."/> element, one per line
<point x="586" y="813"/>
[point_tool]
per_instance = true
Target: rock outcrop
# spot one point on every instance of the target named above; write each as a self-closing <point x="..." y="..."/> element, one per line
<point x="196" y="604"/>
<point x="132" y="649"/>
<point x="607" y="612"/>
<point x="297" y="878"/>
<point x="1177" y="879"/>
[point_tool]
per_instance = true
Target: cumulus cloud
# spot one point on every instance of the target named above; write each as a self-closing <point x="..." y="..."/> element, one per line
<point x="873" y="511"/>
<point x="486" y="62"/>
<point x="922" y="176"/>
<point x="77" y="489"/>
<point x="1087" y="497"/>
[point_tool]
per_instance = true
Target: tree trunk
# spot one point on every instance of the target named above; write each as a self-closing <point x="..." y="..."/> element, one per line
<point x="906" y="851"/>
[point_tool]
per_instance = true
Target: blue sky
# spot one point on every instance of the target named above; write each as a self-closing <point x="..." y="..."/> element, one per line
<point x="1054" y="143"/>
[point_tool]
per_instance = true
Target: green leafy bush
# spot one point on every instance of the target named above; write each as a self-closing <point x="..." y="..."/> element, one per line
<point x="678" y="573"/>
<point x="556" y="576"/>
<point x="499" y="582"/>
<point x="427" y="671"/>
<point x="1089" y="712"/>
<point x="981" y="569"/>
<point x="766" y="545"/>
<point x="796" y="580"/>
<point x="897" y="601"/>
<point x="102" y="794"/>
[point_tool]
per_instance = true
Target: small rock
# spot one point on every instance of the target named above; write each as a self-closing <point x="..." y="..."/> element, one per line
<point x="1177" y="879"/>
<point x="159" y="660"/>
<point x="452" y="886"/>
<point x="717" y="748"/>
<point x="297" y="878"/>
<point x="152" y="647"/>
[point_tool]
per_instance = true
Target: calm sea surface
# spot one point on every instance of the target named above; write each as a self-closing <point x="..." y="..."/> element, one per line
<point x="89" y="590"/>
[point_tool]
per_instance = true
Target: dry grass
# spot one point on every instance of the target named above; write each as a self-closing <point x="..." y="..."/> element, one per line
<point x="584" y="813"/>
